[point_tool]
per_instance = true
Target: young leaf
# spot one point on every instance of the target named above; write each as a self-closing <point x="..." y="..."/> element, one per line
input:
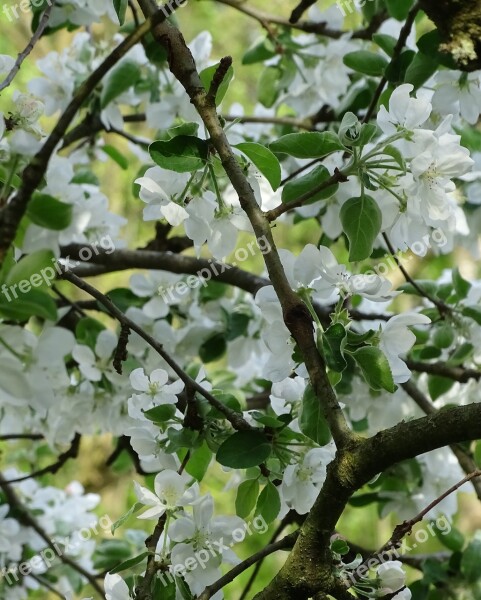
<point x="368" y="63"/>
<point x="182" y="154"/>
<point x="306" y="183"/>
<point x="264" y="160"/>
<point x="199" y="461"/>
<point x="312" y="422"/>
<point x="375" y="368"/>
<point x="246" y="498"/>
<point x="46" y="211"/>
<point x="116" y="156"/>
<point x="361" y="220"/>
<point x="207" y="75"/>
<point x="333" y="341"/>
<point x="269" y="503"/>
<point x="132" y="510"/>
<point x="128" y="564"/>
<point x="437" y="386"/>
<point x="307" y="145"/>
<point x="34" y="266"/>
<point x="120" y="79"/>
<point x="244" y="449"/>
<point x="120" y="7"/>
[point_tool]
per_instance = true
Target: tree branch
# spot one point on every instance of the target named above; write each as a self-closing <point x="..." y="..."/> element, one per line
<point x="465" y="461"/>
<point x="284" y="544"/>
<point x="398" y="48"/>
<point x="236" y="419"/>
<point x="29" y="47"/>
<point x="296" y="314"/>
<point x="72" y="452"/>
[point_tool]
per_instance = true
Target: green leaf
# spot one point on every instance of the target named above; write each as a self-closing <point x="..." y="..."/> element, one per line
<point x="471" y="559"/>
<point x="477" y="454"/>
<point x="312" y="422"/>
<point x="244" y="449"/>
<point x="269" y="503"/>
<point x="368" y="63"/>
<point x="349" y="129"/>
<point x="120" y="7"/>
<point x="120" y="79"/>
<point x="87" y="331"/>
<point x="207" y="75"/>
<point x="437" y="386"/>
<point x="268" y="90"/>
<point x="182" y="154"/>
<point x="160" y="414"/>
<point x="131" y="562"/>
<point x="48" y="212"/>
<point x="37" y="268"/>
<point x="443" y="336"/>
<point x="361" y="220"/>
<point x="116" y="156"/>
<point x="307" y="145"/>
<point x="375" y="368"/>
<point x="109" y="553"/>
<point x="429" y="44"/>
<point x="421" y="69"/>
<point x="246" y="498"/>
<point x="452" y="538"/>
<point x="461" y="286"/>
<point x="473" y="312"/>
<point x="340" y="547"/>
<point x="259" y="52"/>
<point x="199" y="461"/>
<point x="386" y="42"/>
<point x="32" y="304"/>
<point x="237" y="325"/>
<point x="333" y="342"/>
<point x="462" y="353"/>
<point x="213" y="348"/>
<point x="264" y="160"/>
<point x="296" y="188"/>
<point x="124" y="298"/>
<point x="133" y="509"/>
<point x="399" y="9"/>
<point x="188" y="128"/>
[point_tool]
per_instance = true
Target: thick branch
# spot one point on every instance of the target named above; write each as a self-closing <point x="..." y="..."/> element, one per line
<point x="296" y="314"/>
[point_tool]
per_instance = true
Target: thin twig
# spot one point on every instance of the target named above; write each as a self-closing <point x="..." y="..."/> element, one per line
<point x="72" y="452"/>
<point x="29" y="47"/>
<point x="464" y="459"/>
<point x="442" y="308"/>
<point x="236" y="419"/>
<point x="285" y="543"/>
<point x="275" y="213"/>
<point x="21" y="436"/>
<point x="403" y="36"/>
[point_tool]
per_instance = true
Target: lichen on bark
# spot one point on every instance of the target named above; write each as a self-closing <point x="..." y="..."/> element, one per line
<point x="459" y="23"/>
